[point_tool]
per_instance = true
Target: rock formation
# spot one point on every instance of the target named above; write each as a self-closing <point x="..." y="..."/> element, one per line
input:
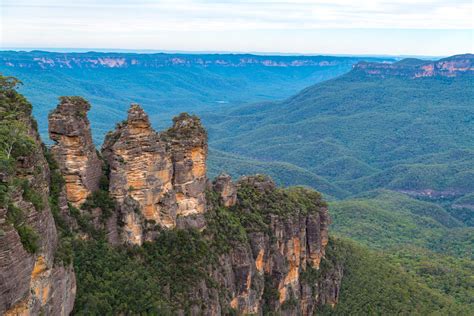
<point x="32" y="281"/>
<point x="141" y="168"/>
<point x="415" y="68"/>
<point x="292" y="245"/>
<point x="164" y="173"/>
<point x="158" y="181"/>
<point x="267" y="271"/>
<point x="74" y="150"/>
<point x="227" y="190"/>
<point x="188" y="142"/>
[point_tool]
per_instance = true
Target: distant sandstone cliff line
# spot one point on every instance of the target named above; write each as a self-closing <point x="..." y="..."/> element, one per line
<point x="416" y="68"/>
<point x="46" y="60"/>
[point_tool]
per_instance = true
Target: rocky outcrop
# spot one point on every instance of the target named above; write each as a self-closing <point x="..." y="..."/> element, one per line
<point x="188" y="142"/>
<point x="227" y="190"/>
<point x="158" y="181"/>
<point x="141" y="169"/>
<point x="32" y="281"/>
<point x="415" y="68"/>
<point x="164" y="173"/>
<point x="278" y="268"/>
<point x="74" y="150"/>
<point x="292" y="245"/>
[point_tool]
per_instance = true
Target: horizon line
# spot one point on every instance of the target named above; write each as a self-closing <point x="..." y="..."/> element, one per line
<point x="203" y="52"/>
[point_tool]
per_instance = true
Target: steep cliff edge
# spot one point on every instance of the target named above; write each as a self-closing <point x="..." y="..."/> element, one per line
<point x="208" y="247"/>
<point x="286" y="232"/>
<point x="453" y="66"/>
<point x="32" y="279"/>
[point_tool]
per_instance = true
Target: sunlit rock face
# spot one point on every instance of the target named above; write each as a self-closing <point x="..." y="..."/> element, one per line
<point x="74" y="150"/>
<point x="164" y="173"/>
<point x="267" y="271"/>
<point x="187" y="141"/>
<point x="141" y="168"/>
<point x="293" y="244"/>
<point x="158" y="181"/>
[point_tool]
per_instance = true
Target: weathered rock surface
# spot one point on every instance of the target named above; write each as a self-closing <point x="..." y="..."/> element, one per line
<point x="159" y="181"/>
<point x="33" y="283"/>
<point x="267" y="271"/>
<point x="141" y="169"/>
<point x="453" y="66"/>
<point x="188" y="141"/>
<point x="164" y="173"/>
<point x="74" y="150"/>
<point x="227" y="190"/>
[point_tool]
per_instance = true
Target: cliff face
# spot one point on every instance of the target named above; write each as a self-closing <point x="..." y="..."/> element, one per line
<point x="188" y="142"/>
<point x="74" y="149"/>
<point x="165" y="174"/>
<point x="415" y="68"/>
<point x="158" y="181"/>
<point x="32" y="281"/>
<point x="280" y="254"/>
<point x="94" y="60"/>
<point x="277" y="268"/>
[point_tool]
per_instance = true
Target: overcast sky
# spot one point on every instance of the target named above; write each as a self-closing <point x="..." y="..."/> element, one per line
<point x="395" y="27"/>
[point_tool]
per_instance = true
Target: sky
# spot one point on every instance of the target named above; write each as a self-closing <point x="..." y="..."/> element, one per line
<point x="355" y="27"/>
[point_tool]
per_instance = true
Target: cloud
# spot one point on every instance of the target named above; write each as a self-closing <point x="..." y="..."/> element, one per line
<point x="263" y="14"/>
<point x="124" y="23"/>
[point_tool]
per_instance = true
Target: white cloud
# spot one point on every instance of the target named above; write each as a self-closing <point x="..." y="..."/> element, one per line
<point x="126" y="22"/>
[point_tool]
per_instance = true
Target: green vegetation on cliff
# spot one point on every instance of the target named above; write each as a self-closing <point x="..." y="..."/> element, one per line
<point x="16" y="143"/>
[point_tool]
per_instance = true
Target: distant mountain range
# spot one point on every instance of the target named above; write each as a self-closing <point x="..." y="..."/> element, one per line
<point x="164" y="84"/>
<point x="46" y="60"/>
<point x="401" y="126"/>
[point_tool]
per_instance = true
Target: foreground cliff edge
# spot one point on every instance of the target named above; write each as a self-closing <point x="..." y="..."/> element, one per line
<point x="258" y="239"/>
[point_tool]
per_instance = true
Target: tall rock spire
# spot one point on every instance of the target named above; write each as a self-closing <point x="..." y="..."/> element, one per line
<point x="74" y="150"/>
<point x="188" y="141"/>
<point x="165" y="174"/>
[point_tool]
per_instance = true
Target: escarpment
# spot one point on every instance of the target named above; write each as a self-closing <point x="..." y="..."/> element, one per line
<point x="74" y="150"/>
<point x="261" y="248"/>
<point x="33" y="278"/>
<point x="413" y="68"/>
<point x="288" y="243"/>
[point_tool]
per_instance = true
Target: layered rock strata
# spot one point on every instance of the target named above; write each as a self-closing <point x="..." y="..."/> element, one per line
<point x="74" y="150"/>
<point x="188" y="142"/>
<point x="141" y="168"/>
<point x="453" y="66"/>
<point x="159" y="181"/>
<point x="164" y="173"/>
<point x="31" y="282"/>
<point x="267" y="272"/>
